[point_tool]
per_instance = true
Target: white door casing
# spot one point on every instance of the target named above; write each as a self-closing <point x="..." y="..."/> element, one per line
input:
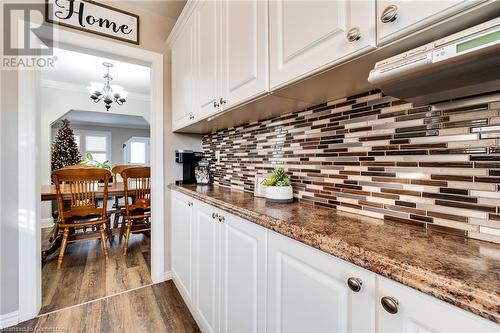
<point x="29" y="184"/>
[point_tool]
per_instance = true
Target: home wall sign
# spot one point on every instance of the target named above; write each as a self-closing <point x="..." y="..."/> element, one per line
<point x="90" y="16"/>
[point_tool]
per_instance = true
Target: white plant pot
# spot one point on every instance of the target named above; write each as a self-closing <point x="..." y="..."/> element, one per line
<point x="279" y="193"/>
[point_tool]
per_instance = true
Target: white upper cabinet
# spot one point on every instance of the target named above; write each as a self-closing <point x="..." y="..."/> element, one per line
<point x="183" y="74"/>
<point x="397" y="18"/>
<point x="405" y="310"/>
<point x="307" y="36"/>
<point x="308" y="291"/>
<point x="244" y="51"/>
<point x="207" y="56"/>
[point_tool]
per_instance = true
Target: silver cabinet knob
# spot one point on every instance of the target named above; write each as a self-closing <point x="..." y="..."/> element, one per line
<point x="353" y="34"/>
<point x="390" y="304"/>
<point x="354" y="284"/>
<point x="222" y="101"/>
<point x="390" y="14"/>
<point x="216" y="105"/>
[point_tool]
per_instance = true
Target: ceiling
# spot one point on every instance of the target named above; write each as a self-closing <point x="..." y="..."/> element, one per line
<point x="80" y="69"/>
<point x="165" y="8"/>
<point x="104" y="119"/>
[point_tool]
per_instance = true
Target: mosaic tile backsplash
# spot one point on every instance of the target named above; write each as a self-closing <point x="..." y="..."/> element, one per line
<point x="370" y="154"/>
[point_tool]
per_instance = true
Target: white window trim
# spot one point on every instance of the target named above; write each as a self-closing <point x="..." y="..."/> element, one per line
<point x="83" y="149"/>
<point x="126" y="152"/>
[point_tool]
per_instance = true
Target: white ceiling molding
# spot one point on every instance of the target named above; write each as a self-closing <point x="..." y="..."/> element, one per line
<point x="82" y="88"/>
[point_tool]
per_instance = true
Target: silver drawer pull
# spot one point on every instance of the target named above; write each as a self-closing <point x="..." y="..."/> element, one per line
<point x="353" y="34"/>
<point x="390" y="14"/>
<point x="390" y="304"/>
<point x="354" y="284"/>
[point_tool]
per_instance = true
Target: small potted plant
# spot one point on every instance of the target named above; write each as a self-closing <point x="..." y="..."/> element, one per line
<point x="279" y="187"/>
<point x="90" y="162"/>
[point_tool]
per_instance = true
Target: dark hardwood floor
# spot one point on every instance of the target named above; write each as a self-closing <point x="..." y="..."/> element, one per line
<point x="86" y="275"/>
<point x="154" y="308"/>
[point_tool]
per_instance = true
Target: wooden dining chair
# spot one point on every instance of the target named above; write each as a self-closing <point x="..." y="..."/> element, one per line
<point x="118" y="209"/>
<point x="137" y="190"/>
<point x="78" y="206"/>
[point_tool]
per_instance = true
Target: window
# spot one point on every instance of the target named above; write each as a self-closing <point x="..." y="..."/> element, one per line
<point x="136" y="151"/>
<point x="96" y="143"/>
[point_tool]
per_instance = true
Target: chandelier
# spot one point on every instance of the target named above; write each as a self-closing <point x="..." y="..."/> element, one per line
<point x="106" y="92"/>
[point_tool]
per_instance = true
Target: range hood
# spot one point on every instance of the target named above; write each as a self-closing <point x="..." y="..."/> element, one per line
<point x="463" y="64"/>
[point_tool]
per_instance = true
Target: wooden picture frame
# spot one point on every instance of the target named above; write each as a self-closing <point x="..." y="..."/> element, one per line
<point x="121" y="14"/>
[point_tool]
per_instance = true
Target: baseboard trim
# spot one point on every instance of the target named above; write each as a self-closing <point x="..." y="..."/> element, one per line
<point x="166" y="276"/>
<point x="9" y="319"/>
<point x="47" y="222"/>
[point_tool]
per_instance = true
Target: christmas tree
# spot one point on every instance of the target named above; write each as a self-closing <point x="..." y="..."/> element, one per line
<point x="64" y="148"/>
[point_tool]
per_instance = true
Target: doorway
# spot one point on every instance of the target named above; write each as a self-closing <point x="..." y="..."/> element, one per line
<point x="29" y="178"/>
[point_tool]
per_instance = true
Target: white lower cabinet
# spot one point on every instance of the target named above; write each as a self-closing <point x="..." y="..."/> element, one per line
<point x="418" y="312"/>
<point x="243" y="263"/>
<point x="237" y="276"/>
<point x="308" y="291"/>
<point x="206" y="300"/>
<point x="182" y="243"/>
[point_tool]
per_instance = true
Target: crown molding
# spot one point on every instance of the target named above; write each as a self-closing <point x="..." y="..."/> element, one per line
<point x="81" y="88"/>
<point x="181" y="21"/>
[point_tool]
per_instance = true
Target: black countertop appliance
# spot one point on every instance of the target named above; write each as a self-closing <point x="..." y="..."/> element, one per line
<point x="189" y="160"/>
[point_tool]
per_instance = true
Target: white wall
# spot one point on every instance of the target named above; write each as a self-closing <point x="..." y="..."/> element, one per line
<point x="119" y="135"/>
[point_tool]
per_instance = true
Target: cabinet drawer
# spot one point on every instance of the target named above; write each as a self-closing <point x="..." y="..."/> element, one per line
<point x="418" y="312"/>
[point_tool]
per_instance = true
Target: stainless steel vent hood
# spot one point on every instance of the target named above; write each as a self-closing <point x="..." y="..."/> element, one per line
<point x="465" y="63"/>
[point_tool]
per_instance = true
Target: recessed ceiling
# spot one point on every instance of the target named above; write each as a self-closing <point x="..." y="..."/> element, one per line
<point x="165" y="8"/>
<point x="80" y="69"/>
<point x="104" y="119"/>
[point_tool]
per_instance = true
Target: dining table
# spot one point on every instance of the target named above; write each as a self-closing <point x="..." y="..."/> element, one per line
<point x="48" y="193"/>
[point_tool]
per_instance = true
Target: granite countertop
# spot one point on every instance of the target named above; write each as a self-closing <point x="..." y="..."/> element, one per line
<point x="463" y="272"/>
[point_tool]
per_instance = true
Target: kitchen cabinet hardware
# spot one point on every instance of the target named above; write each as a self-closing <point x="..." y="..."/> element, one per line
<point x="390" y="304"/>
<point x="190" y="204"/>
<point x="216" y="105"/>
<point x="390" y="14"/>
<point x="221" y="218"/>
<point x="191" y="116"/>
<point x="215" y="215"/>
<point x="353" y="34"/>
<point x="222" y="101"/>
<point x="354" y="284"/>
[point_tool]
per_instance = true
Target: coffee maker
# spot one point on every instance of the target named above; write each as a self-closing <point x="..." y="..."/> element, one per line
<point x="189" y="160"/>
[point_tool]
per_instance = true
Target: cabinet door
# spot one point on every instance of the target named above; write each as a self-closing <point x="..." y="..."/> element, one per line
<point x="308" y="291"/>
<point x="207" y="267"/>
<point x="243" y="263"/>
<point x="417" y="312"/>
<point x="182" y="243"/>
<point x="245" y="70"/>
<point x="307" y="36"/>
<point x="183" y="74"/>
<point x="414" y="15"/>
<point x="207" y="20"/>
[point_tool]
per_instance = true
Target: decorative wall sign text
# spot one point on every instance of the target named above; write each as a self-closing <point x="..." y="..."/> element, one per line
<point x="86" y="15"/>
